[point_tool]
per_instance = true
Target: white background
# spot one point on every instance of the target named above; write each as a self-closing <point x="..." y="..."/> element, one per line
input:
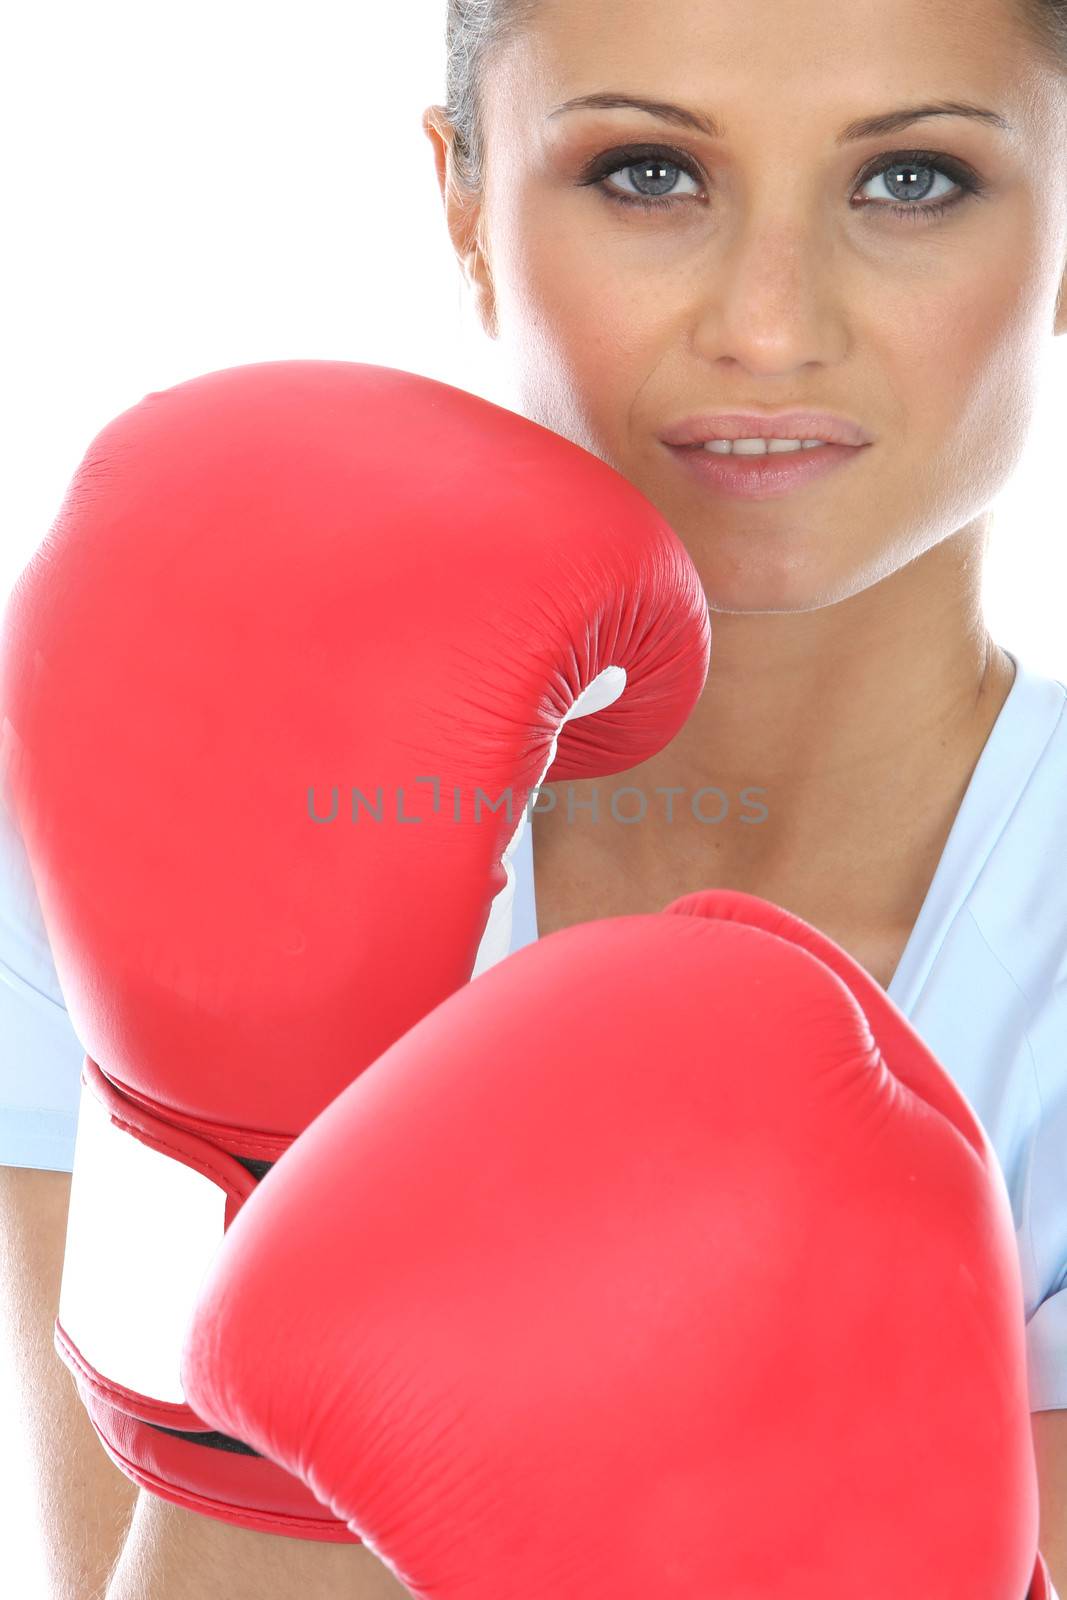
<point x="193" y="186"/>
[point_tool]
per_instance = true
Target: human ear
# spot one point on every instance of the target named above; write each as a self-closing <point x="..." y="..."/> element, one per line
<point x="463" y="213"/>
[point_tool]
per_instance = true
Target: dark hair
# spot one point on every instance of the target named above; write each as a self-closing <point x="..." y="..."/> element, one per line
<point x="477" y="30"/>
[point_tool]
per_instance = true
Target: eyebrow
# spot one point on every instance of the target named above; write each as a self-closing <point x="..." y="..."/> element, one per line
<point x="863" y="128"/>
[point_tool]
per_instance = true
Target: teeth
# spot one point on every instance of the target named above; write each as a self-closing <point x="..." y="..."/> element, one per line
<point x="760" y="447"/>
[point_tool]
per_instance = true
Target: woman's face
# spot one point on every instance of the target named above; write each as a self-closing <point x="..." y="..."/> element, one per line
<point x="776" y="272"/>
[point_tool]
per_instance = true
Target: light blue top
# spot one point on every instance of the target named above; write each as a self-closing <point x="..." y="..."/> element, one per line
<point x="983" y="980"/>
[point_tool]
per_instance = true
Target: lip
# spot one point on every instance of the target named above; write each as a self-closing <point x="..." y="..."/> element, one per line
<point x="766" y="425"/>
<point x="763" y="477"/>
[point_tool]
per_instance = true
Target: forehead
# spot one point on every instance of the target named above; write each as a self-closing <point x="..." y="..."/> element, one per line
<point x="788" y="57"/>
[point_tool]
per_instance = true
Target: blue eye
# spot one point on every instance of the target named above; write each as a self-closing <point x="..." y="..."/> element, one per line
<point x="656" y="170"/>
<point x="914" y="176"/>
<point x="911" y="175"/>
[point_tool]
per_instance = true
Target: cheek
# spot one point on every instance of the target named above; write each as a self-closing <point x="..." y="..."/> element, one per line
<point x="962" y="350"/>
<point x="576" y="321"/>
<point x="575" y="306"/>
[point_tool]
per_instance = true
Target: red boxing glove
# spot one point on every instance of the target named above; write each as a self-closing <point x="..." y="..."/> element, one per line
<point x="662" y="1260"/>
<point x="276" y="688"/>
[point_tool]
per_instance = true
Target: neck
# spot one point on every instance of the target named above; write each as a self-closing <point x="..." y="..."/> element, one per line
<point x="859" y="724"/>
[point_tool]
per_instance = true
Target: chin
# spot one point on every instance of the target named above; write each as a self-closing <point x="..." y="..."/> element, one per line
<point x="753" y="579"/>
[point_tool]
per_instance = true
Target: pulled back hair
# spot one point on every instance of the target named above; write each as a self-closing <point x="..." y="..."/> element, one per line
<point x="478" y="30"/>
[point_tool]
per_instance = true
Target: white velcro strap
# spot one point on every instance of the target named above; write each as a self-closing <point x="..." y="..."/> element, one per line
<point x="141" y="1231"/>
